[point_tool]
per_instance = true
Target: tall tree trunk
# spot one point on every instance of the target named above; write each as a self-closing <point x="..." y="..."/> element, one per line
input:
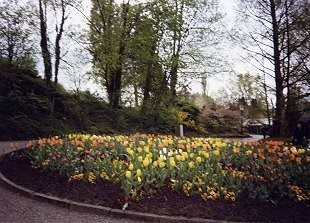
<point x="177" y="36"/>
<point x="136" y="94"/>
<point x="289" y="104"/>
<point x="148" y="81"/>
<point x="279" y="122"/>
<point x="117" y="81"/>
<point x="159" y="98"/>
<point x="44" y="46"/>
<point x="59" y="32"/>
<point x="109" y="75"/>
<point x="174" y="75"/>
<point x="46" y="59"/>
<point x="118" y="73"/>
<point x="266" y="101"/>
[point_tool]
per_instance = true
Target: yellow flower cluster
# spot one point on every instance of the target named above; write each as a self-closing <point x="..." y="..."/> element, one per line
<point x="77" y="177"/>
<point x="91" y="177"/>
<point x="187" y="187"/>
<point x="230" y="196"/>
<point x="211" y="194"/>
<point x="104" y="175"/>
<point x="45" y="162"/>
<point x="299" y="193"/>
<point x="192" y="165"/>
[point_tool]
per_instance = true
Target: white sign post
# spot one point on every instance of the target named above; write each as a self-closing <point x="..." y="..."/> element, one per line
<point x="181" y="131"/>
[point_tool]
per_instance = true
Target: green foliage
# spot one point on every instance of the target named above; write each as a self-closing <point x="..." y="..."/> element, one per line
<point x="144" y="46"/>
<point x="15" y="26"/>
<point x="24" y="111"/>
<point x="23" y="104"/>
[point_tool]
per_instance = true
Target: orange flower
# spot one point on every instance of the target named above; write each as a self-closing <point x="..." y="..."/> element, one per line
<point x="298" y="160"/>
<point x="280" y="154"/>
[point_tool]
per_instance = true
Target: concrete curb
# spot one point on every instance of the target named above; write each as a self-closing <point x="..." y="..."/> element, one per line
<point x="90" y="208"/>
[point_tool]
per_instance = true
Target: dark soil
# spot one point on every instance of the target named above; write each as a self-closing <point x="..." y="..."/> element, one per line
<point x="165" y="202"/>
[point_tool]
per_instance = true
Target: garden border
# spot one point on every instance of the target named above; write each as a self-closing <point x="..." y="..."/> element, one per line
<point x="95" y="209"/>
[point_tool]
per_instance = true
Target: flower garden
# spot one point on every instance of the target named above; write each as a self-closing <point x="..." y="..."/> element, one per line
<point x="215" y="169"/>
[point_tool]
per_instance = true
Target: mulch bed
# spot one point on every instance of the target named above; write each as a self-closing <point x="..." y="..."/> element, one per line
<point x="165" y="202"/>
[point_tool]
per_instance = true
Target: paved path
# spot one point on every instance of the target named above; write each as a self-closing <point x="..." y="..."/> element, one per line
<point x="8" y="146"/>
<point x="15" y="208"/>
<point x="252" y="138"/>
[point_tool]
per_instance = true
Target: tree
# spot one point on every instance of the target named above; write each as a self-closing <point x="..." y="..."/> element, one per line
<point x="15" y="33"/>
<point x="173" y="40"/>
<point x="146" y="64"/>
<point x="278" y="40"/>
<point x="44" y="11"/>
<point x="187" y="28"/>
<point x="297" y="60"/>
<point x="46" y="55"/>
<point x="247" y="90"/>
<point x="110" y="29"/>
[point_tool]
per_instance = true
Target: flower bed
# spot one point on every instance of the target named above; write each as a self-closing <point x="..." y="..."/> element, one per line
<point x="213" y="168"/>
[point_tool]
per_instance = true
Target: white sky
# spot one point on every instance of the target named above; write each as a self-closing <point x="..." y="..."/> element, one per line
<point x="233" y="54"/>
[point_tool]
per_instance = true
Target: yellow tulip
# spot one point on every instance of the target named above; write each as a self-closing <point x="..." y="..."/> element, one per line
<point x="191" y="164"/>
<point x="198" y="159"/>
<point x="79" y="148"/>
<point x="294" y="150"/>
<point x="236" y="150"/>
<point x="146" y="149"/>
<point x="149" y="155"/>
<point x="301" y="151"/>
<point x="155" y="163"/>
<point x="130" y="166"/>
<point x="139" y="179"/>
<point x="138" y="173"/>
<point x="129" y="151"/>
<point x="171" y="161"/>
<point x="216" y="152"/>
<point x="128" y="174"/>
<point x="161" y="164"/>
<point x="178" y="157"/>
<point x="146" y="162"/>
<point x="206" y="155"/>
<point x="139" y="149"/>
<point x="140" y="158"/>
<point x="185" y="155"/>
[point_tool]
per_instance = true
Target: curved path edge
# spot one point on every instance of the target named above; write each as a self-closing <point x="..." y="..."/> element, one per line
<point x="90" y="208"/>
